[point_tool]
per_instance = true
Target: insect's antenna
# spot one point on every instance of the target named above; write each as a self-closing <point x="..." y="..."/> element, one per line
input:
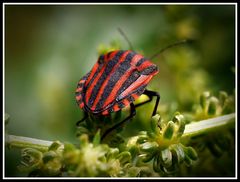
<point x="170" y="46"/>
<point x="126" y="38"/>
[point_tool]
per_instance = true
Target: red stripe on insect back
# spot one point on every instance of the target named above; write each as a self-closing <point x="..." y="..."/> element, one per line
<point x="120" y="82"/>
<point x="94" y="69"/>
<point x="78" y="97"/>
<point x="89" y="92"/>
<point x="125" y="102"/>
<point x="115" y="89"/>
<point x="143" y="79"/>
<point x="135" y="96"/>
<point x="90" y="89"/>
<point x="105" y="112"/>
<point x="82" y="81"/>
<point x="112" y="54"/>
<point x="81" y="105"/>
<point x="116" y="107"/>
<point x="135" y="59"/>
<point x="79" y="89"/>
<point x="106" y="81"/>
<point x="144" y="65"/>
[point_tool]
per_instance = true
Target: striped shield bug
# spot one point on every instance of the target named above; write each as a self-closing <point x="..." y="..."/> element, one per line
<point x="116" y="80"/>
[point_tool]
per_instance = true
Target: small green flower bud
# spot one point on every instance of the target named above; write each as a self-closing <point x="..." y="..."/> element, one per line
<point x="203" y="99"/>
<point x="177" y="117"/>
<point x="142" y="139"/>
<point x="169" y="130"/>
<point x="180" y="120"/>
<point x="222" y="97"/>
<point x="48" y="156"/>
<point x="113" y="152"/>
<point x="157" y="163"/>
<point x="191" y="153"/>
<point x="154" y="123"/>
<point x="146" y="157"/>
<point x="54" y="146"/>
<point x="149" y="147"/>
<point x="124" y="157"/>
<point x="83" y="140"/>
<point x="166" y="157"/>
<point x="31" y="159"/>
<point x="69" y="147"/>
<point x="188" y="161"/>
<point x="213" y="104"/>
<point x="178" y="152"/>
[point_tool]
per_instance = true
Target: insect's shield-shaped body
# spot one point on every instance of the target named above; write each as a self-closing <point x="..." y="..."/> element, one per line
<point x="116" y="80"/>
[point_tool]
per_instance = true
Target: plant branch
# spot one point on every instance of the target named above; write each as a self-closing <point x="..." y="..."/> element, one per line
<point x="25" y="142"/>
<point x="199" y="127"/>
<point x="192" y="129"/>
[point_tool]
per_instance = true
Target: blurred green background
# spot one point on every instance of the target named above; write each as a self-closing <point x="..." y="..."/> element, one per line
<point x="48" y="48"/>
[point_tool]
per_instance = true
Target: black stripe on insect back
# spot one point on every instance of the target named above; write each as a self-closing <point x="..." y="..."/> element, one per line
<point x="120" y="72"/>
<point x="127" y="83"/>
<point x="105" y="74"/>
<point x="140" y="61"/>
<point x="139" y="92"/>
<point x="94" y="76"/>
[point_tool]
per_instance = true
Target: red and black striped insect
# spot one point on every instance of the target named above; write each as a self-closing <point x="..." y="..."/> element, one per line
<point x="116" y="80"/>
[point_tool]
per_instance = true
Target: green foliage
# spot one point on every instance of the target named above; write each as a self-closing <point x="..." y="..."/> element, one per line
<point x="211" y="106"/>
<point x="162" y="145"/>
<point x="87" y="160"/>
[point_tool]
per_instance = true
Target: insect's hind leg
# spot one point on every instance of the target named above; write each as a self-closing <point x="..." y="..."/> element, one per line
<point x="150" y="94"/>
<point x="84" y="118"/>
<point x="120" y="124"/>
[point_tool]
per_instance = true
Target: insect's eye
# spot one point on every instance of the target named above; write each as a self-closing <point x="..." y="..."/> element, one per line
<point x="101" y="59"/>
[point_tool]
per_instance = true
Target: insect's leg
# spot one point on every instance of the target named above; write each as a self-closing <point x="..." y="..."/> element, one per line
<point x="120" y="124"/>
<point x="84" y="117"/>
<point x="151" y="94"/>
<point x="142" y="103"/>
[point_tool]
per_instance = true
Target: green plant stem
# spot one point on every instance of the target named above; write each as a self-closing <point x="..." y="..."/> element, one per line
<point x="192" y="129"/>
<point x="25" y="142"/>
<point x="199" y="127"/>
